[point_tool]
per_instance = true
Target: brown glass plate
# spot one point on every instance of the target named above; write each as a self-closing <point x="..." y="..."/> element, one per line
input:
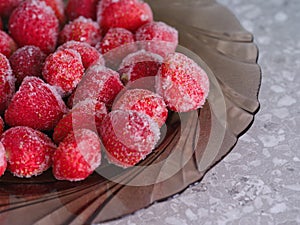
<point x="192" y="142"/>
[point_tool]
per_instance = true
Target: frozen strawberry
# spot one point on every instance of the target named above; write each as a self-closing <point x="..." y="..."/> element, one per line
<point x="138" y="65"/>
<point x="77" y="156"/>
<point x="7" y="44"/>
<point x="3" y="159"/>
<point x="64" y="70"/>
<point x="128" y="136"/>
<point x="143" y="101"/>
<point x="183" y="84"/>
<point x="85" y="8"/>
<point x="7" y="6"/>
<point x="36" y="105"/>
<point x="1" y="125"/>
<point x="89" y="55"/>
<point x="99" y="83"/>
<point x="28" y="151"/>
<point x="128" y="14"/>
<point x="87" y="114"/>
<point x="81" y="29"/>
<point x="34" y="23"/>
<point x="157" y="37"/>
<point x="27" y="61"/>
<point x="7" y="83"/>
<point x="58" y="8"/>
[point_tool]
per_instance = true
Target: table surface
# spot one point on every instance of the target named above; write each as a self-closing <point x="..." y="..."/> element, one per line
<point x="258" y="182"/>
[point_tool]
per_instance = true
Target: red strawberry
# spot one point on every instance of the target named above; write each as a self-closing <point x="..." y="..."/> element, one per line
<point x="139" y="65"/>
<point x="2" y="125"/>
<point x="85" y="8"/>
<point x="63" y="69"/>
<point x="143" y="101"/>
<point x="77" y="156"/>
<point x="128" y="136"/>
<point x="3" y="159"/>
<point x="27" y="61"/>
<point x="58" y="8"/>
<point x="7" y="44"/>
<point x="7" y="6"/>
<point x="99" y="83"/>
<point x="28" y="151"/>
<point x="7" y="83"/>
<point x="87" y="114"/>
<point x="34" y="23"/>
<point x="89" y="55"/>
<point x="35" y="105"/>
<point x="182" y="83"/>
<point x="128" y="14"/>
<point x="157" y="37"/>
<point x="80" y="29"/>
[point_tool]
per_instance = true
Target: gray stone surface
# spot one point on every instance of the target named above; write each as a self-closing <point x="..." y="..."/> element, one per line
<point x="258" y="182"/>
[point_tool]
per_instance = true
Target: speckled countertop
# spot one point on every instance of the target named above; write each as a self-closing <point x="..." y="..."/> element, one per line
<point x="259" y="181"/>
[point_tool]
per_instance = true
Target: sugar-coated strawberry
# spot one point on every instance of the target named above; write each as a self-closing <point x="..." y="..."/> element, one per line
<point x="34" y="23"/>
<point x="87" y="114"/>
<point x="27" y="61"/>
<point x="143" y="101"/>
<point x="77" y="156"/>
<point x="7" y="44"/>
<point x="58" y="8"/>
<point x="64" y="70"/>
<point x="7" y="83"/>
<point x="81" y="29"/>
<point x="85" y="8"/>
<point x="7" y="6"/>
<point x="2" y="125"/>
<point x="183" y="84"/>
<point x="128" y="136"/>
<point x="157" y="37"/>
<point x="138" y="65"/>
<point x="128" y="14"/>
<point x="3" y="160"/>
<point x="28" y="151"/>
<point x="36" y="105"/>
<point x="89" y="54"/>
<point x="100" y="83"/>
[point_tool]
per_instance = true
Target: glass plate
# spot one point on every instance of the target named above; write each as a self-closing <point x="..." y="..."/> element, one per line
<point x="192" y="143"/>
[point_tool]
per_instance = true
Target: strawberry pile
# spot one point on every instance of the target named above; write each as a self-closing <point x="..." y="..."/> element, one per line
<point x="82" y="79"/>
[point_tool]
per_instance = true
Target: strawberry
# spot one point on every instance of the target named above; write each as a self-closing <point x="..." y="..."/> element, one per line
<point x="128" y="14"/>
<point x="138" y="65"/>
<point x="36" y="105"/>
<point x="157" y="37"/>
<point x="87" y="114"/>
<point x="34" y="23"/>
<point x="128" y="136"/>
<point x="99" y="83"/>
<point x="28" y="151"/>
<point x="85" y="8"/>
<point x="63" y="69"/>
<point x="3" y="159"/>
<point x="77" y="156"/>
<point x="183" y="84"/>
<point x="2" y="125"/>
<point x="58" y="8"/>
<point x="7" y="83"/>
<point x="89" y="55"/>
<point x="27" y="61"/>
<point x="143" y="101"/>
<point x="81" y="29"/>
<point x="7" y="44"/>
<point x="7" y="6"/>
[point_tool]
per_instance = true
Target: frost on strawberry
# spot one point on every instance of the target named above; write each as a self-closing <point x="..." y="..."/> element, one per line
<point x="36" y="105"/>
<point x="77" y="156"/>
<point x="28" y="151"/>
